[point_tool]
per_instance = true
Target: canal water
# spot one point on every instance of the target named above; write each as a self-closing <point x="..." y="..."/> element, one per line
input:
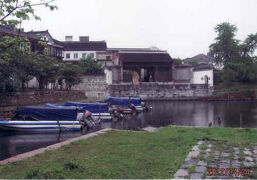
<point x="164" y="113"/>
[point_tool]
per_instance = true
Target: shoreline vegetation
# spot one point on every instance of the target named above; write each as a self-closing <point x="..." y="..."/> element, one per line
<point x="125" y="154"/>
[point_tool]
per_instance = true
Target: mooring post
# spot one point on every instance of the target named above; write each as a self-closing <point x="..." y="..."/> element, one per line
<point x="241" y="120"/>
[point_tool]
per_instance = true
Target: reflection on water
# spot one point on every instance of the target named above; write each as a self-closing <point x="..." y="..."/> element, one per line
<point x="185" y="113"/>
<point x="193" y="113"/>
<point x="12" y="144"/>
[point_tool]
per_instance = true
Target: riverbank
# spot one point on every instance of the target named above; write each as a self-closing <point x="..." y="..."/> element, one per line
<point x="125" y="154"/>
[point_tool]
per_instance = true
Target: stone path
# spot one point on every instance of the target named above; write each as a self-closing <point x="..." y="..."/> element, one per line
<point x="219" y="160"/>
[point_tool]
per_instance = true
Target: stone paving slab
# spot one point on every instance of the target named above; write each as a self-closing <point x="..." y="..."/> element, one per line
<point x="219" y="160"/>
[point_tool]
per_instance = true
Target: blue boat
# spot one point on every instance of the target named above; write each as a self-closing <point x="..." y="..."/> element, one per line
<point x="125" y="103"/>
<point x="38" y="119"/>
<point x="98" y="110"/>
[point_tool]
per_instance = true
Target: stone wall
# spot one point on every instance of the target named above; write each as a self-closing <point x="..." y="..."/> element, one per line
<point x="93" y="86"/>
<point x="96" y="87"/>
<point x="160" y="91"/>
<point x="184" y="74"/>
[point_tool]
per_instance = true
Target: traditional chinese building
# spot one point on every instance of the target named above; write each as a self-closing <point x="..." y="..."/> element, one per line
<point x="33" y="37"/>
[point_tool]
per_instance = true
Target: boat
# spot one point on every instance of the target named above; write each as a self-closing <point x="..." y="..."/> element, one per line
<point x="38" y="119"/>
<point x="127" y="104"/>
<point x="98" y="110"/>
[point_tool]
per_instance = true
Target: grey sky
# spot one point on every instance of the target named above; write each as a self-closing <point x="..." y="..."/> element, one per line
<point x="183" y="27"/>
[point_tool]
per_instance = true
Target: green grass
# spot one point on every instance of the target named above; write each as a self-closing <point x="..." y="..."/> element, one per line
<point x="124" y="154"/>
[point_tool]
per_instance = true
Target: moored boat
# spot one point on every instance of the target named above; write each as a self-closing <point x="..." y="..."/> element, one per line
<point x="38" y="119"/>
<point x="128" y="104"/>
<point x="98" y="110"/>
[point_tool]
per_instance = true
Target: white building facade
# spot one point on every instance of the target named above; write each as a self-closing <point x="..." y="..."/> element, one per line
<point x="204" y="76"/>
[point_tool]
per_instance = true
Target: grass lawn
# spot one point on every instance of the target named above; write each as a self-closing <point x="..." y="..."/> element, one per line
<point x="124" y="154"/>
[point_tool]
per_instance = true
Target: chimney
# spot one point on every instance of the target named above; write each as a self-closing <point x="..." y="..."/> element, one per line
<point x="84" y="38"/>
<point x="68" y="38"/>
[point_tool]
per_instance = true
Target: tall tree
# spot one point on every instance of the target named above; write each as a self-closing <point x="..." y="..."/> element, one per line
<point x="71" y="74"/>
<point x="226" y="47"/>
<point x="237" y="59"/>
<point x="45" y="69"/>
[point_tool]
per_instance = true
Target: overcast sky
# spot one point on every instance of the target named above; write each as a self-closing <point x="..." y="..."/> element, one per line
<point x="182" y="27"/>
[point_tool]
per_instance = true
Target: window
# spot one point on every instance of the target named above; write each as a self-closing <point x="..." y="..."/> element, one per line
<point x="76" y="56"/>
<point x="92" y="55"/>
<point x="108" y="58"/>
<point x="84" y="55"/>
<point x="67" y="55"/>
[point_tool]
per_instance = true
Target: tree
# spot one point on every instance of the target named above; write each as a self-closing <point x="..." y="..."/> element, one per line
<point x="16" y="61"/>
<point x="45" y="69"/>
<point x="71" y="74"/>
<point x="177" y="61"/>
<point x="236" y="58"/>
<point x="226" y="47"/>
<point x="90" y="67"/>
<point x="13" y="12"/>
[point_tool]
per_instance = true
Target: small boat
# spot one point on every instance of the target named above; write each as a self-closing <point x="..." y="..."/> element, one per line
<point x="98" y="110"/>
<point x="38" y="119"/>
<point x="128" y="104"/>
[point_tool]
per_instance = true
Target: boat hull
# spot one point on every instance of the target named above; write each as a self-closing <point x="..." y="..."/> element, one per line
<point x="40" y="126"/>
<point x="104" y="117"/>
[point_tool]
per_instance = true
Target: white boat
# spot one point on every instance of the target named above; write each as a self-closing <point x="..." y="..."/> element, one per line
<point x="39" y="126"/>
<point x="38" y="119"/>
<point x="104" y="117"/>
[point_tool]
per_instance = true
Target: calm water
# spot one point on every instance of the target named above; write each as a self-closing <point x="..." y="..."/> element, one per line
<point x="183" y="113"/>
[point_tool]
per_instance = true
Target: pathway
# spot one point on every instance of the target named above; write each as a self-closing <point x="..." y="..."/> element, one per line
<point x="219" y="160"/>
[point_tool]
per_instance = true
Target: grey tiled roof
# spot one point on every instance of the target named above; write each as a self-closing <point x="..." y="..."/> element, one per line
<point x="201" y="58"/>
<point x="11" y="31"/>
<point x="145" y="57"/>
<point x="84" y="46"/>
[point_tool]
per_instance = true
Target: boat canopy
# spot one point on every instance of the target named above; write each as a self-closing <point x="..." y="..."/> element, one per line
<point x="48" y="113"/>
<point x="124" y="101"/>
<point x="92" y="107"/>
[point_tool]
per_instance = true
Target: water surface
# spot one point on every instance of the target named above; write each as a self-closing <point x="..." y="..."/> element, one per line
<point x="164" y="113"/>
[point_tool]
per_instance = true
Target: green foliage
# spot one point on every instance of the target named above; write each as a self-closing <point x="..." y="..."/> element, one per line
<point x="90" y="67"/>
<point x="70" y="73"/>
<point x="217" y="76"/>
<point x="226" y="48"/>
<point x="193" y="62"/>
<point x="45" y="69"/>
<point x="177" y="61"/>
<point x="13" y="12"/>
<point x="240" y="72"/>
<point x="17" y="64"/>
<point x="235" y="57"/>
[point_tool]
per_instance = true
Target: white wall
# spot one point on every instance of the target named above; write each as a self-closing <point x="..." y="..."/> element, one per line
<point x="199" y="77"/>
<point x="33" y="83"/>
<point x="79" y="55"/>
<point x="108" y="74"/>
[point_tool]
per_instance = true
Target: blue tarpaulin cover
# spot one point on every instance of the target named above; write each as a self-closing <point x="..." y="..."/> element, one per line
<point x="124" y="101"/>
<point x="92" y="107"/>
<point x="48" y="113"/>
